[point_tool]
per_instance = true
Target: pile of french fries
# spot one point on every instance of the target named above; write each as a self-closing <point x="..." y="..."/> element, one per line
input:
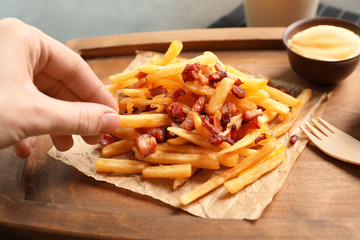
<point x="241" y="163"/>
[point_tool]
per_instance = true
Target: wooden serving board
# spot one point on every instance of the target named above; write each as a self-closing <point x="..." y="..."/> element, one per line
<point x="46" y="199"/>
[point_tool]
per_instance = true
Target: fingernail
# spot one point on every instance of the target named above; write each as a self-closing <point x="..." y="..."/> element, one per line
<point x="109" y="122"/>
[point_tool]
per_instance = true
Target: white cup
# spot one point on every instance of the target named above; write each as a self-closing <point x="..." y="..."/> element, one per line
<point x="278" y="13"/>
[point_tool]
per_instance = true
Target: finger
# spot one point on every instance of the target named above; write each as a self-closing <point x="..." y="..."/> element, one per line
<point x="62" y="142"/>
<point x="24" y="148"/>
<point x="66" y="118"/>
<point x="54" y="88"/>
<point x="67" y="66"/>
<point x="93" y="139"/>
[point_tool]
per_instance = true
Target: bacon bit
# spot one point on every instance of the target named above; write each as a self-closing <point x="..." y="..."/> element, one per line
<point x="225" y="119"/>
<point x="205" y="70"/>
<point x="157" y="132"/>
<point x="293" y="139"/>
<point x="108" y="139"/>
<point x="260" y="138"/>
<point x="218" y="67"/>
<point x="141" y="75"/>
<point x="178" y="93"/>
<point x="206" y="122"/>
<point x="175" y="112"/>
<point x="145" y="144"/>
<point x="158" y="90"/>
<point x="139" y="83"/>
<point x="233" y="133"/>
<point x="199" y="104"/>
<point x="217" y="139"/>
<point x="228" y="107"/>
<point x="190" y="72"/>
<point x="238" y="91"/>
<point x="217" y="76"/>
<point x="188" y="124"/>
<point x="248" y="116"/>
<point x="170" y="135"/>
<point x="253" y="124"/>
<point x="238" y="82"/>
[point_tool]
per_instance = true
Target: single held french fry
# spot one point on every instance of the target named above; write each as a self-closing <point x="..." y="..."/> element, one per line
<point x="125" y="166"/>
<point x="144" y="120"/>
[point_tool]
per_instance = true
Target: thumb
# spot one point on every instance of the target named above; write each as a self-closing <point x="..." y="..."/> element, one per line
<point x="81" y="118"/>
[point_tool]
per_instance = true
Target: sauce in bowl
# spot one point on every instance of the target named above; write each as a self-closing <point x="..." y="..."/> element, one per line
<point x="326" y="43"/>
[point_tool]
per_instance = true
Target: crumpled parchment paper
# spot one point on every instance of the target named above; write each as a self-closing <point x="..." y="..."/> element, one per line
<point x="249" y="203"/>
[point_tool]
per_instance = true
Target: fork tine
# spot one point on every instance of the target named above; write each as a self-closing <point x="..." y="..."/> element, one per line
<point x="328" y="125"/>
<point x="314" y="131"/>
<point x="318" y="124"/>
<point x="312" y="137"/>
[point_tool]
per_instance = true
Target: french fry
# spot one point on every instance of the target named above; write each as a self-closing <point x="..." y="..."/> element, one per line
<point x="144" y="120"/>
<point x="218" y="180"/>
<point x="121" y="77"/>
<point x="197" y="88"/>
<point x="129" y="133"/>
<point x="207" y="161"/>
<point x="177" y="141"/>
<point x="173" y="51"/>
<point x="252" y="174"/>
<point x="183" y="148"/>
<point x="281" y="96"/>
<point x="245" y="141"/>
<point x="117" y="148"/>
<point x="119" y="165"/>
<point x="221" y="92"/>
<point x="193" y="137"/>
<point x="288" y="122"/>
<point x="178" y="182"/>
<point x="170" y="171"/>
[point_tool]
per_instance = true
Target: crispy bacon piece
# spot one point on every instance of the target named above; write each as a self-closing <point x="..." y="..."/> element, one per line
<point x="157" y="132"/>
<point x="145" y="144"/>
<point x="234" y="133"/>
<point x="260" y="138"/>
<point x="158" y="90"/>
<point x="178" y="93"/>
<point x="199" y="104"/>
<point x="228" y="108"/>
<point x="188" y="124"/>
<point x="225" y="119"/>
<point x="217" y="139"/>
<point x="190" y="72"/>
<point x="175" y="112"/>
<point x="293" y="139"/>
<point x="238" y="91"/>
<point x="217" y="76"/>
<point x="208" y="123"/>
<point x="205" y="70"/>
<point x="248" y="116"/>
<point x="108" y="139"/>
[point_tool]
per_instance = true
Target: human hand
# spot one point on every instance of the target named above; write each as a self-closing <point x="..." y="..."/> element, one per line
<point x="46" y="88"/>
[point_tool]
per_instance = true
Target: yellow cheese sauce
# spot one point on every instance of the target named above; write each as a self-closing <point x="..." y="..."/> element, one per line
<point x="325" y="42"/>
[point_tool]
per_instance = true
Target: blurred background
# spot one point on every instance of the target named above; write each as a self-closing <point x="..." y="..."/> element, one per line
<point x="68" y="19"/>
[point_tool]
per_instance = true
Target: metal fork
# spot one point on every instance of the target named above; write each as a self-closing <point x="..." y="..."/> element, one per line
<point x="332" y="141"/>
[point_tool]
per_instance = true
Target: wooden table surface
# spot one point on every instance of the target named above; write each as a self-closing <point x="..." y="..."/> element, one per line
<point x="46" y="199"/>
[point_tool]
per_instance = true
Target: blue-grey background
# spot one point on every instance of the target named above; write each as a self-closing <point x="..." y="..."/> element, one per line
<point x="68" y="19"/>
